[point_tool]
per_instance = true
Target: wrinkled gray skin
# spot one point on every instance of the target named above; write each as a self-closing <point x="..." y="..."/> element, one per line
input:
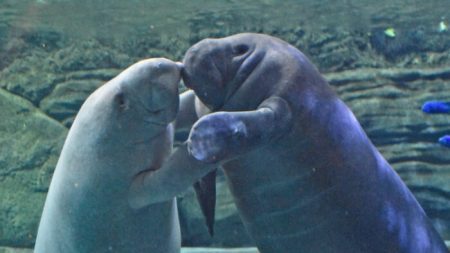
<point x="123" y="129"/>
<point x="304" y="175"/>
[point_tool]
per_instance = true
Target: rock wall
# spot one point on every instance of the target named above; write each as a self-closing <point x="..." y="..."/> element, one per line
<point x="387" y="103"/>
<point x="183" y="250"/>
<point x="41" y="91"/>
<point x="29" y="146"/>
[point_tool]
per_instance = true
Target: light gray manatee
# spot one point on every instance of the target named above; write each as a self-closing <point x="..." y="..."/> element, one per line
<point x="122" y="130"/>
<point x="304" y="175"/>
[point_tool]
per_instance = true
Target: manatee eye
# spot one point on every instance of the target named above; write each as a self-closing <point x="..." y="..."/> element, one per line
<point x="240" y="49"/>
<point x="121" y="100"/>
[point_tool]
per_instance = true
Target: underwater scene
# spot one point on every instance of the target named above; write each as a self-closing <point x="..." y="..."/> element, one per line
<point x="302" y="126"/>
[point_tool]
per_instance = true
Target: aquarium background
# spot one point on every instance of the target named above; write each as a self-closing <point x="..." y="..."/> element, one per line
<point x="384" y="58"/>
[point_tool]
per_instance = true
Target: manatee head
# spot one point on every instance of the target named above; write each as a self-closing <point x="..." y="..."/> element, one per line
<point x="216" y="68"/>
<point x="136" y="105"/>
<point x="150" y="89"/>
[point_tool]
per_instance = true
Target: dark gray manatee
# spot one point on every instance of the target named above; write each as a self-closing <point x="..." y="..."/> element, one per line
<point x="123" y="129"/>
<point x="303" y="173"/>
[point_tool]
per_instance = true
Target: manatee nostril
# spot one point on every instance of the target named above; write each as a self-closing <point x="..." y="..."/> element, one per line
<point x="240" y="49"/>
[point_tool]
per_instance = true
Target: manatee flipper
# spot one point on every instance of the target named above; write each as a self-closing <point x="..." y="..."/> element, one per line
<point x="180" y="170"/>
<point x="186" y="116"/>
<point x="221" y="136"/>
<point x="177" y="174"/>
<point x="205" y="190"/>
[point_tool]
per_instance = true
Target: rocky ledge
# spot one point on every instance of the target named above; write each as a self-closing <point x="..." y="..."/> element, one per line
<point x="41" y="92"/>
<point x="183" y="250"/>
<point x="386" y="102"/>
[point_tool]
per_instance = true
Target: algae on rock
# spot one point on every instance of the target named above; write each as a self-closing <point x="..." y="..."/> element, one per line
<point x="30" y="143"/>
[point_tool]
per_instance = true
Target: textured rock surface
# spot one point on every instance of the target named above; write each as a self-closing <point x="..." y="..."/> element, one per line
<point x="15" y="250"/>
<point x="183" y="250"/>
<point x="387" y="103"/>
<point x="384" y="92"/>
<point x="41" y="72"/>
<point x="59" y="81"/>
<point x="217" y="250"/>
<point x="29" y="147"/>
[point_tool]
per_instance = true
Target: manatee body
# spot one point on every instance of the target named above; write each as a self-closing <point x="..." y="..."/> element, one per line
<point x="303" y="173"/>
<point x="123" y="129"/>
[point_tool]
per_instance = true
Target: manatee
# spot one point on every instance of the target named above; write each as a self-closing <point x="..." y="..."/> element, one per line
<point x="304" y="175"/>
<point x="122" y="130"/>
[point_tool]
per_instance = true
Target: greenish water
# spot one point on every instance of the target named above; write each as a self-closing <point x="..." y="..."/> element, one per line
<point x="54" y="53"/>
<point x="117" y="18"/>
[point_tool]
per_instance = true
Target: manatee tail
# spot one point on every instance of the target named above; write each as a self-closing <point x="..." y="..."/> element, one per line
<point x="205" y="190"/>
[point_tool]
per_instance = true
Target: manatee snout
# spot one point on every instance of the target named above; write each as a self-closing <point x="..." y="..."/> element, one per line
<point x="206" y="71"/>
<point x="163" y="73"/>
<point x="153" y="84"/>
<point x="199" y="58"/>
